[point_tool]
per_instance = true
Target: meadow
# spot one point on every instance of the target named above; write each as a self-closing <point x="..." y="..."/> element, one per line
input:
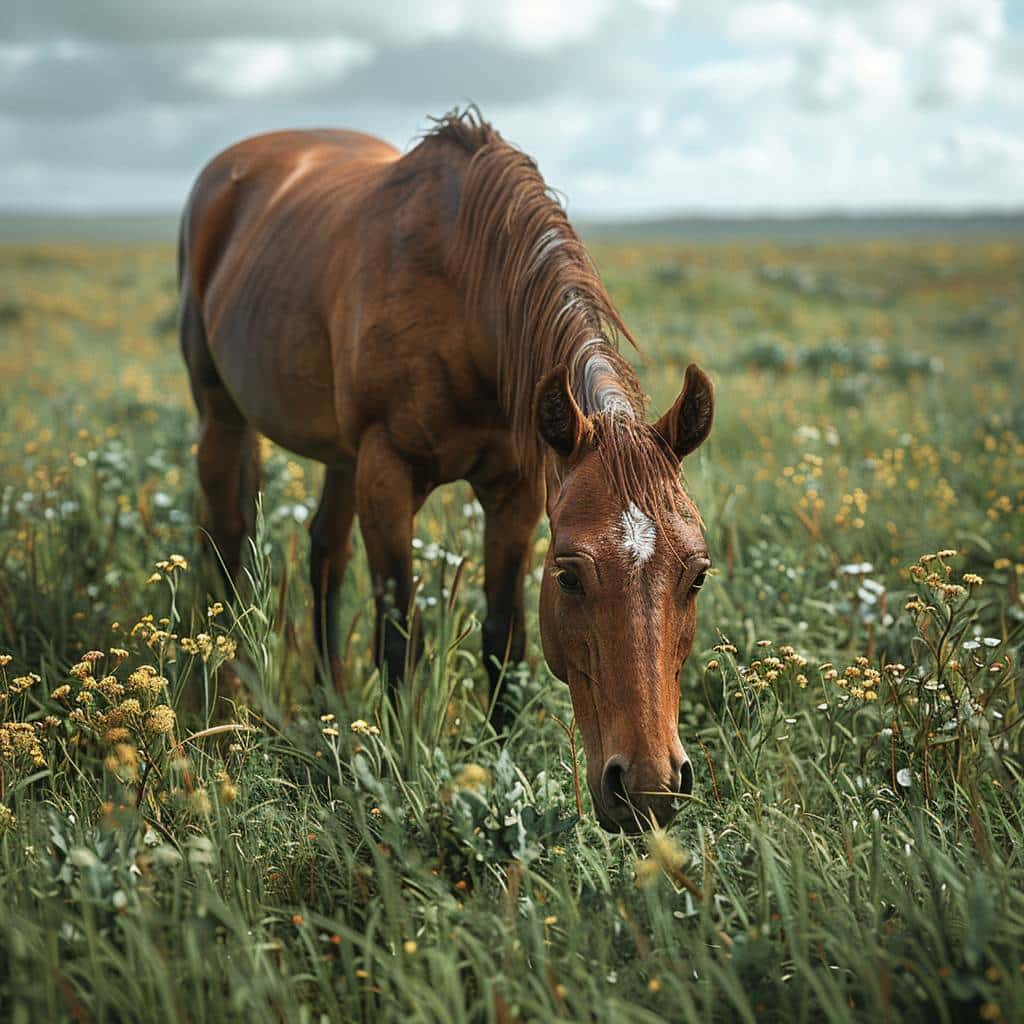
<point x="191" y="828"/>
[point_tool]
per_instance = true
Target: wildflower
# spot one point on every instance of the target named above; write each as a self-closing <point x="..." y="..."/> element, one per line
<point x="8" y="822"/>
<point x="5" y="660"/>
<point x="647" y="872"/>
<point x="654" y="985"/>
<point x="160" y="720"/>
<point x="61" y="692"/>
<point x="972" y="579"/>
<point x="228" y="791"/>
<point x="474" y="777"/>
<point x="214" y="610"/>
<point x="199" y="802"/>
<point x="712" y="665"/>
<point x="409" y="946"/>
<point x="297" y="920"/>
<point x="116" y="735"/>
<point x="329" y="731"/>
<point x="129" y="707"/>
<point x="22" y="683"/>
<point x="119" y="654"/>
<point x="145" y="680"/>
<point x="666" y="852"/>
<point x="327" y="718"/>
<point x="123" y="761"/>
<point x="363" y="728"/>
<point x="110" y="688"/>
<point x="550" y="920"/>
<point x="801" y="681"/>
<point x="946" y="553"/>
<point x="561" y="991"/>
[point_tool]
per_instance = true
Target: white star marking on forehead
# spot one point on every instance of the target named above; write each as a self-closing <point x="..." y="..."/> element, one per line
<point x="638" y="535"/>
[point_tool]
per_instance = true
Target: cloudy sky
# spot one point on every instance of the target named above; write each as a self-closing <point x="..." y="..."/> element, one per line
<point x="631" y="107"/>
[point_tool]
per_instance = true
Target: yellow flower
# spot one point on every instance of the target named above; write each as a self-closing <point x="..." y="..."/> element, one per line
<point x="22" y="683"/>
<point x="646" y="873"/>
<point x="362" y="728"/>
<point x="123" y="761"/>
<point x="8" y="822"/>
<point x="160" y="720"/>
<point x="474" y="777"/>
<point x="199" y="802"/>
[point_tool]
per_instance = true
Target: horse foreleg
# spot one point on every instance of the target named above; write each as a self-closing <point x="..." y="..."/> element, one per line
<point x="512" y="508"/>
<point x="329" y="551"/>
<point x="386" y="503"/>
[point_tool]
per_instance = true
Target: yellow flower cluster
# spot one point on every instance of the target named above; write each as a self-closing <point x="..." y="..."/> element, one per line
<point x="361" y="728"/>
<point x="167" y="567"/>
<point x="859" y="680"/>
<point x="220" y="647"/>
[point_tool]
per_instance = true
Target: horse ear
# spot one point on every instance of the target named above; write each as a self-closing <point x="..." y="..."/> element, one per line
<point x="687" y="424"/>
<point x="559" y="419"/>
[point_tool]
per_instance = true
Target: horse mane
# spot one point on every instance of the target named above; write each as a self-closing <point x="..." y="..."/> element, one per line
<point x="526" y="273"/>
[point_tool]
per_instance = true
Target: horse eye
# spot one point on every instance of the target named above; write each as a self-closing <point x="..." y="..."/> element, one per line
<point x="699" y="581"/>
<point x="569" y="582"/>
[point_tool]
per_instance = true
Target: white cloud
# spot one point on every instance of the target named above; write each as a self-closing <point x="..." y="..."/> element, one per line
<point x="540" y="24"/>
<point x="960" y="70"/>
<point x="846" y="67"/>
<point x="978" y="154"/>
<point x="740" y="81"/>
<point x="777" y="22"/>
<point x="246" y="68"/>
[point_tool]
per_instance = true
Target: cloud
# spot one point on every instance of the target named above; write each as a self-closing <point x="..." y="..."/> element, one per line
<point x="976" y="154"/>
<point x="254" y="67"/>
<point x="738" y="80"/>
<point x="630" y="106"/>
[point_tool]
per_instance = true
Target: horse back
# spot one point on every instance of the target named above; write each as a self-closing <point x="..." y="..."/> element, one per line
<point x="271" y="184"/>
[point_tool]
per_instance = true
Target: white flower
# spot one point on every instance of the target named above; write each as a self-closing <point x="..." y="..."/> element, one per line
<point x="857" y="568"/>
<point x="904" y="778"/>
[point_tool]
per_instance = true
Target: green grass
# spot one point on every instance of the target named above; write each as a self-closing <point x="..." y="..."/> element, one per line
<point x="853" y="850"/>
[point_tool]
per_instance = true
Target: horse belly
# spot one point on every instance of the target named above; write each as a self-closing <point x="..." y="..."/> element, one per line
<point x="282" y="383"/>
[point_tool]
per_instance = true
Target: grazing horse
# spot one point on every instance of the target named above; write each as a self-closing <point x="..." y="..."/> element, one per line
<point x="411" y="320"/>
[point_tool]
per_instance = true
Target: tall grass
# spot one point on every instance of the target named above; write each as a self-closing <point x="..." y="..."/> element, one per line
<point x="267" y="850"/>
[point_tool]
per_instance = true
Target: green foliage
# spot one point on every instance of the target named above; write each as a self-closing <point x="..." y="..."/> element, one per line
<point x="266" y="850"/>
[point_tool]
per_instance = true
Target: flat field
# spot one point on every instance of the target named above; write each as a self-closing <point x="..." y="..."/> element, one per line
<point x="854" y="849"/>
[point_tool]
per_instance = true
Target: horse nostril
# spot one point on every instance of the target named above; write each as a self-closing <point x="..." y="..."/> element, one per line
<point x="686" y="779"/>
<point x="613" y="784"/>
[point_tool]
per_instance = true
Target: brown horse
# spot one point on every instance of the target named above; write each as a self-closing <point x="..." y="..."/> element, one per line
<point x="414" y="320"/>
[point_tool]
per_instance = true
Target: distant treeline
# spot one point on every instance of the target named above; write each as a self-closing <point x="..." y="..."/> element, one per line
<point x="21" y="228"/>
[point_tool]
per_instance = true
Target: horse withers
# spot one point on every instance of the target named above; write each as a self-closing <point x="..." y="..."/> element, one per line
<point x="411" y="320"/>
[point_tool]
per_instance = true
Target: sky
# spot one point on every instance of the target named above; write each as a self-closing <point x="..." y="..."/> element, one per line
<point x="631" y="107"/>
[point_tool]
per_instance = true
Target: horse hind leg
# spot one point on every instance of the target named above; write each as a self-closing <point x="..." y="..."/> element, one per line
<point x="329" y="551"/>
<point x="227" y="458"/>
